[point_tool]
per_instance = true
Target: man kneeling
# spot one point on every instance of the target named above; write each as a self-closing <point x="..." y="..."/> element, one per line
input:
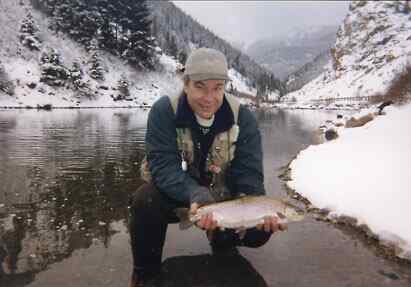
<point x="202" y="146"/>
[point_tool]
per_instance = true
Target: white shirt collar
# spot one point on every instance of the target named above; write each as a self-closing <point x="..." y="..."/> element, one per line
<point x="204" y="122"/>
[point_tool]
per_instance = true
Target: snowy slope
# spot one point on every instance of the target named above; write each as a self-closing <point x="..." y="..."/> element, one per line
<point x="286" y="54"/>
<point x="373" y="46"/>
<point x="308" y="72"/>
<point x="22" y="67"/>
<point x="239" y="82"/>
<point x="365" y="174"/>
<point x="24" y="71"/>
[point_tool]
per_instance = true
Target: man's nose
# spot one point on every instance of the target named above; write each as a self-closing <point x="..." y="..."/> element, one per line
<point x="208" y="95"/>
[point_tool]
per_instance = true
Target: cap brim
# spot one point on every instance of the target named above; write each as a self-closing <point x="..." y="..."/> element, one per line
<point x="203" y="77"/>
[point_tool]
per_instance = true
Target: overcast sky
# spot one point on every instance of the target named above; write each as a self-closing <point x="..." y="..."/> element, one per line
<point x="246" y="21"/>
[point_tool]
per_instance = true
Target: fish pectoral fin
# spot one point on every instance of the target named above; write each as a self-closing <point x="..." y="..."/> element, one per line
<point x="184" y="215"/>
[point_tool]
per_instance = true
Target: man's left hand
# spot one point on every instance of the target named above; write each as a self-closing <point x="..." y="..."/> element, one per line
<point x="272" y="225"/>
<point x="206" y="221"/>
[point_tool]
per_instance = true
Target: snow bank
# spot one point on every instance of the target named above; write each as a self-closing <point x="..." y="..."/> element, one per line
<point x="365" y="174"/>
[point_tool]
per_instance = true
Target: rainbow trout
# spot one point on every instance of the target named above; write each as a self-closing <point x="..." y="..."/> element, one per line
<point x="243" y="213"/>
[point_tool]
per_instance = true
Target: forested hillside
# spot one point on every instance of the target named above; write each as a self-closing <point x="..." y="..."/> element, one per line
<point x="178" y="33"/>
<point x="78" y="53"/>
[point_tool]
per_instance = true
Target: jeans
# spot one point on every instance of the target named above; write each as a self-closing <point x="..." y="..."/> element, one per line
<point x="150" y="214"/>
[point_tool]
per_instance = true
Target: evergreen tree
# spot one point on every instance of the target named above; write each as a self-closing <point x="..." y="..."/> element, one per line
<point x="122" y="27"/>
<point x="5" y="84"/>
<point x="53" y="72"/>
<point x="62" y="16"/>
<point x="182" y="57"/>
<point x="122" y="86"/>
<point x="107" y="36"/>
<point x="172" y="48"/>
<point x="76" y="76"/>
<point x="88" y="20"/>
<point x="136" y="24"/>
<point x="29" y="33"/>
<point x="96" y="70"/>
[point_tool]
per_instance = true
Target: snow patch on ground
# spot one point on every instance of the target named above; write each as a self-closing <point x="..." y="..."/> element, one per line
<point x="363" y="174"/>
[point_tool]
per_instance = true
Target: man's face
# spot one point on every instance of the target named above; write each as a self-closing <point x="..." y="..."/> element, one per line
<point x="205" y="97"/>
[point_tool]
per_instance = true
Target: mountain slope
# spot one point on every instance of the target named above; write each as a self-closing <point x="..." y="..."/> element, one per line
<point x="285" y="56"/>
<point x="373" y="48"/>
<point x="178" y="33"/>
<point x="56" y="71"/>
<point x="24" y="69"/>
<point x="307" y="73"/>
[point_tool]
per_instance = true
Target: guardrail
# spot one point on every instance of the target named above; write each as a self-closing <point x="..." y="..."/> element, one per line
<point x="351" y="99"/>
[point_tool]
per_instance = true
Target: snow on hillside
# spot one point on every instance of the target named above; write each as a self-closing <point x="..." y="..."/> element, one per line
<point x="364" y="174"/>
<point x="144" y="88"/>
<point x="239" y="82"/>
<point x="23" y="69"/>
<point x="242" y="85"/>
<point x="373" y="47"/>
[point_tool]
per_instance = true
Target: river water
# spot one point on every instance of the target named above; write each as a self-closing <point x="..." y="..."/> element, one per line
<point x="65" y="180"/>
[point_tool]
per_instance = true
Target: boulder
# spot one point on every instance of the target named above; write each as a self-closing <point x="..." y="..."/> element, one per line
<point x="354" y="123"/>
<point x="330" y="134"/>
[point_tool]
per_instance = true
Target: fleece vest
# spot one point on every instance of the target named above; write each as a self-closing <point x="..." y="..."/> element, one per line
<point x="220" y="154"/>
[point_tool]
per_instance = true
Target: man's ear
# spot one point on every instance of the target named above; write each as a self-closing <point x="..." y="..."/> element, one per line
<point x="185" y="87"/>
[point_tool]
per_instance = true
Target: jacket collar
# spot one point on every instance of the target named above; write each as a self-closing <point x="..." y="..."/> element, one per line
<point x="185" y="118"/>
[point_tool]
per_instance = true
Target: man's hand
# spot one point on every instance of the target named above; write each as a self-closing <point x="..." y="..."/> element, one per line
<point x="206" y="221"/>
<point x="271" y="224"/>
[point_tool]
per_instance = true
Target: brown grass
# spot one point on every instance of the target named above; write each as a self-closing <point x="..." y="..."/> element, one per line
<point x="354" y="122"/>
<point x="399" y="91"/>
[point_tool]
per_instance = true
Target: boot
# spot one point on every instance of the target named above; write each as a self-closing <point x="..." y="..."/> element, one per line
<point x="222" y="243"/>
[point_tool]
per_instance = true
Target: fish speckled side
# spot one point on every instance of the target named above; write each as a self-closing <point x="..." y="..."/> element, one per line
<point x="248" y="211"/>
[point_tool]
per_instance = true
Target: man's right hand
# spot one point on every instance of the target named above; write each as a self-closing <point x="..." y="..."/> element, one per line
<point x="206" y="221"/>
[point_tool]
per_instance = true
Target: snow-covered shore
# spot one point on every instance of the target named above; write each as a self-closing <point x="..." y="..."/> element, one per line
<point x="364" y="174"/>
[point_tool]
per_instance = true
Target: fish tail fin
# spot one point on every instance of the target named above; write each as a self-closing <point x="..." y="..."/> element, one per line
<point x="184" y="215"/>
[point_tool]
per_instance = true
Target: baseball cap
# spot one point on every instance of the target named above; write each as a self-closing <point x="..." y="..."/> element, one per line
<point x="206" y="64"/>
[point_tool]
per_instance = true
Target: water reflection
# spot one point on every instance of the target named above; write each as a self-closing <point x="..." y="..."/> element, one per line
<point x="65" y="177"/>
<point x="284" y="134"/>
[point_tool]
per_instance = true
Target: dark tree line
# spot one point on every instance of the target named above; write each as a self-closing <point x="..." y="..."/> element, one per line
<point x="177" y="34"/>
<point x="121" y="27"/>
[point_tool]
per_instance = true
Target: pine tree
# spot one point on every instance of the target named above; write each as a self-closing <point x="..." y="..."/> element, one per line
<point x="107" y="37"/>
<point x="88" y="22"/>
<point x="172" y="49"/>
<point x="96" y="70"/>
<point x="62" y="17"/>
<point x="140" y="45"/>
<point x="29" y="33"/>
<point x="122" y="86"/>
<point x="53" y="72"/>
<point x="5" y="84"/>
<point x="182" y="57"/>
<point x="76" y="76"/>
